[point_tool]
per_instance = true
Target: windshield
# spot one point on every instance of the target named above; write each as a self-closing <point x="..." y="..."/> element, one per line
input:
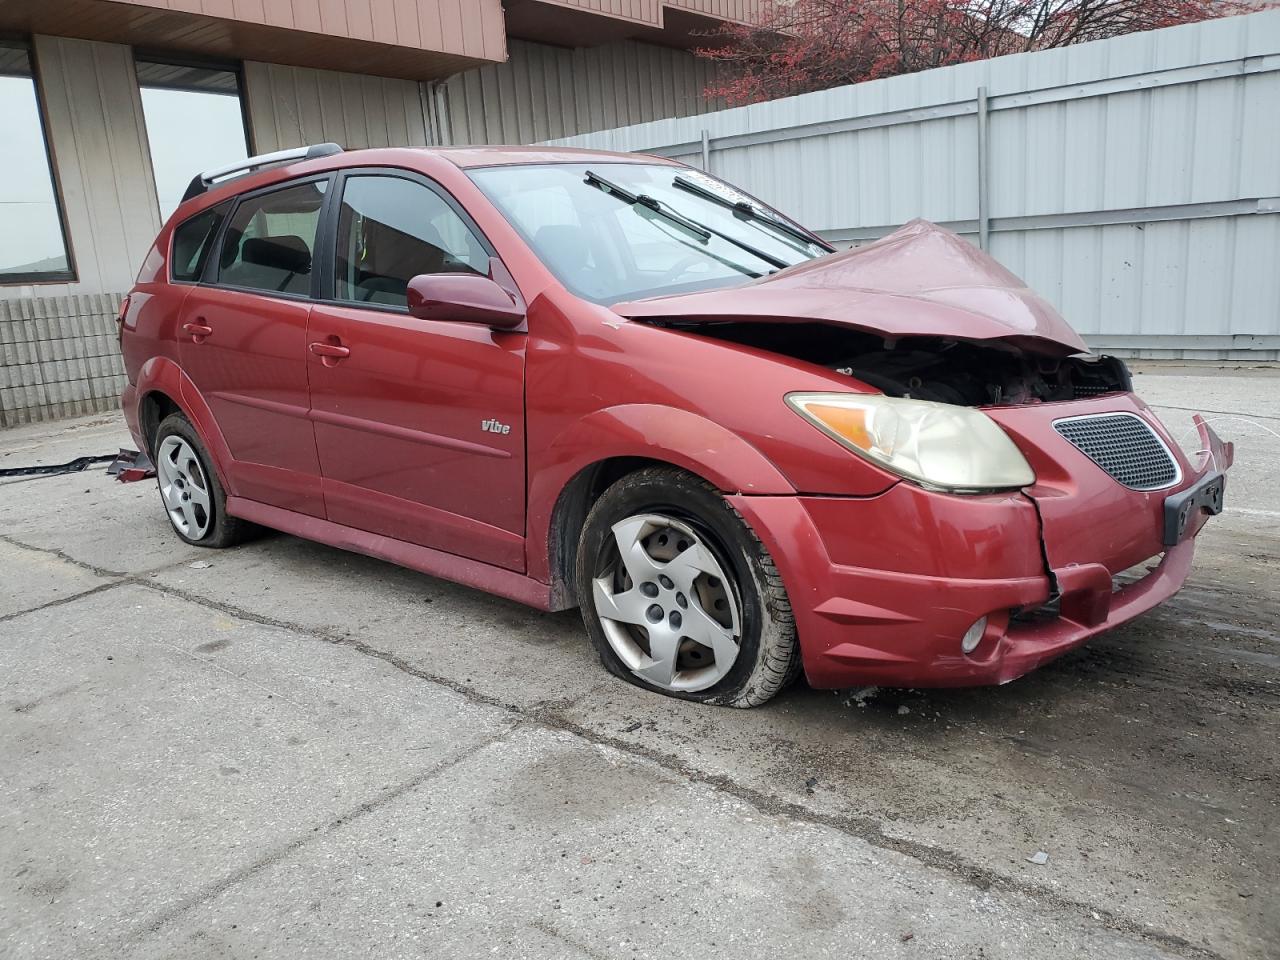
<point x="622" y="231"/>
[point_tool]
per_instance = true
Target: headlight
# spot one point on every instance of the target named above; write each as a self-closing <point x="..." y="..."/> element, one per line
<point x="938" y="445"/>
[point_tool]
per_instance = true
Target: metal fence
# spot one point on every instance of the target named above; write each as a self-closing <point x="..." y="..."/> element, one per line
<point x="1135" y="182"/>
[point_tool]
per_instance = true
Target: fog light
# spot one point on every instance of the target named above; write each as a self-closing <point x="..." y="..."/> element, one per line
<point x="972" y="636"/>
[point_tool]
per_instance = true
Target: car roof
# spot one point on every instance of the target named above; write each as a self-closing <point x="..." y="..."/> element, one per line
<point x="463" y="157"/>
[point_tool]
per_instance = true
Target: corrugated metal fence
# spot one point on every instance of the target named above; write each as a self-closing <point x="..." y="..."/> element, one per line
<point x="1135" y="182"/>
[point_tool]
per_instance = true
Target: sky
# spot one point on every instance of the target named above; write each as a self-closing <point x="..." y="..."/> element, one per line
<point x="29" y="229"/>
<point x="189" y="132"/>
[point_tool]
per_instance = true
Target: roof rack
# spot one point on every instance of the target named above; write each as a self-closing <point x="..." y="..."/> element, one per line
<point x="202" y="181"/>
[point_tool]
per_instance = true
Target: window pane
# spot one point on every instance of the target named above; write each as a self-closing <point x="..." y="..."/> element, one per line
<point x="31" y="243"/>
<point x="194" y="123"/>
<point x="390" y="230"/>
<point x="191" y="243"/>
<point x="270" y="240"/>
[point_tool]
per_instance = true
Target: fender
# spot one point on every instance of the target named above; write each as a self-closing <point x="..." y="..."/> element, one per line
<point x="648" y="431"/>
<point x="163" y="375"/>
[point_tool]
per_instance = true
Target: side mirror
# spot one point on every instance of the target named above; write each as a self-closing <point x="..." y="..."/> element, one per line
<point x="463" y="298"/>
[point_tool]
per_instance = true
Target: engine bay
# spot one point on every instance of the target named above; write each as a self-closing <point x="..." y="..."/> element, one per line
<point x="959" y="372"/>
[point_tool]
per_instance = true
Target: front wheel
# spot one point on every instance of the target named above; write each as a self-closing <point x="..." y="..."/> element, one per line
<point x="679" y="596"/>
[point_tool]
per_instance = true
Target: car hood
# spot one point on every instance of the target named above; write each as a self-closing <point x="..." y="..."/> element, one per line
<point x="920" y="281"/>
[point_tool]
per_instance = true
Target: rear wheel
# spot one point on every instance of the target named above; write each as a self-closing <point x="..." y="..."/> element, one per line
<point x="679" y="596"/>
<point x="193" y="498"/>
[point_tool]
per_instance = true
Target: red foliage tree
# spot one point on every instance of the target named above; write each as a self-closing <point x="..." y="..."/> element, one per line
<point x="796" y="46"/>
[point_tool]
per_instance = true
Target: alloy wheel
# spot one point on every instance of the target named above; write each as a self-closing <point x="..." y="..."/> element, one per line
<point x="667" y="608"/>
<point x="184" y="488"/>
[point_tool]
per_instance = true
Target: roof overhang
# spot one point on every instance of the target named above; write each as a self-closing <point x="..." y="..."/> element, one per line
<point x="672" y="23"/>
<point x="358" y="36"/>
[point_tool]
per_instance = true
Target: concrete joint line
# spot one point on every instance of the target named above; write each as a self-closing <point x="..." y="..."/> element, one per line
<point x="62" y="601"/>
<point x="285" y="850"/>
<point x="861" y="828"/>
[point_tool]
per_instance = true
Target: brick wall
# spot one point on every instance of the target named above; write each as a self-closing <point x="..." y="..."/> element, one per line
<point x="59" y="357"/>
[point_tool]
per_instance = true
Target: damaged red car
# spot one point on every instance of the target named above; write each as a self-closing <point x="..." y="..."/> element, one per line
<point x="615" y="382"/>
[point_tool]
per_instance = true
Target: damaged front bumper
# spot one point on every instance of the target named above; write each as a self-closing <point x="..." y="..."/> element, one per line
<point x="884" y="588"/>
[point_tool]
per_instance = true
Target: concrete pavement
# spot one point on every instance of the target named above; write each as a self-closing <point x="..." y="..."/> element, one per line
<point x="297" y="752"/>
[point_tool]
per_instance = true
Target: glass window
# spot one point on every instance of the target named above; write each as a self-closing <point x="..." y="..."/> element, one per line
<point x="607" y="249"/>
<point x="194" y="123"/>
<point x="269" y="243"/>
<point x="191" y="241"/>
<point x="390" y="230"/>
<point x="33" y="245"/>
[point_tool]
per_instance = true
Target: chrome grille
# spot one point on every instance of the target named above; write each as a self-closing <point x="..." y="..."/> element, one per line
<point x="1124" y="446"/>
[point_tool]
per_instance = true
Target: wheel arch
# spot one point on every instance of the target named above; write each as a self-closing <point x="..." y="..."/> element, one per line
<point x="163" y="389"/>
<point x="588" y="457"/>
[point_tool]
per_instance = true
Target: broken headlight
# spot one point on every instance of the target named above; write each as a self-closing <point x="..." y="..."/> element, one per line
<point x="938" y="445"/>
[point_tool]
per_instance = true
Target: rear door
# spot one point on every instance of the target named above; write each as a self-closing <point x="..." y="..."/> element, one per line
<point x="242" y="341"/>
<point x="419" y="424"/>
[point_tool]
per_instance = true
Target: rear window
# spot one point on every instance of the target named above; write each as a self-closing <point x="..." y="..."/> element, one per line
<point x="191" y="241"/>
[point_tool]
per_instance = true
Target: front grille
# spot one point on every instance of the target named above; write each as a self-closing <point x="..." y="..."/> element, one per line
<point x="1124" y="446"/>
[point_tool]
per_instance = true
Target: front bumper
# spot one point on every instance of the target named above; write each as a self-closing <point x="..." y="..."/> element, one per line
<point x="883" y="588"/>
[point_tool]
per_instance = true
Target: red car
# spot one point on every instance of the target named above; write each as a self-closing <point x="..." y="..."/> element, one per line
<point x="612" y="381"/>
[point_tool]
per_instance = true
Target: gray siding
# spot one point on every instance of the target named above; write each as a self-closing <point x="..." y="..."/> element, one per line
<point x="1135" y="182"/>
<point x="291" y="106"/>
<point x="543" y="92"/>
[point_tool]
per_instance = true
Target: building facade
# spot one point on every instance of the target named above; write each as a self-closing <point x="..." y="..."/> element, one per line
<point x="111" y="106"/>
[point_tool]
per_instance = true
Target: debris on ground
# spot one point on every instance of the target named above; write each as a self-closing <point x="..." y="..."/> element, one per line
<point x="1040" y="858"/>
<point x="861" y="696"/>
<point x="200" y="565"/>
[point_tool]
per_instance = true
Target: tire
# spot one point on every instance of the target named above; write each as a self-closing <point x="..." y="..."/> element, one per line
<point x="190" y="490"/>
<point x="702" y="614"/>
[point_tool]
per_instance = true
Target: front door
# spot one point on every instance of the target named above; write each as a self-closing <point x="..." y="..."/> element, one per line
<point x="419" y="424"/>
<point x="242" y="341"/>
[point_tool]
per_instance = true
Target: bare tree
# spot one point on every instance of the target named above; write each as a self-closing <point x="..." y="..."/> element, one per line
<point x="796" y="46"/>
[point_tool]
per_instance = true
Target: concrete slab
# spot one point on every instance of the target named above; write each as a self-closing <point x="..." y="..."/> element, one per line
<point x="1144" y="764"/>
<point x="152" y="747"/>
<point x="508" y="651"/>
<point x="543" y="845"/>
<point x="33" y="578"/>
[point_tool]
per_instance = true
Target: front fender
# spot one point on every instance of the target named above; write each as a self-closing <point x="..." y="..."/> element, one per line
<point x="648" y="431"/>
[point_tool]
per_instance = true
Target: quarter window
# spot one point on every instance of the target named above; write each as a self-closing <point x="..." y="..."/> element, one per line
<point x="33" y="245"/>
<point x="191" y="241"/>
<point x="389" y="231"/>
<point x="271" y="239"/>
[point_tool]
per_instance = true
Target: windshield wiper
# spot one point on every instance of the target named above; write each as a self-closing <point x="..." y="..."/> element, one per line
<point x="647" y="201"/>
<point x="751" y="212"/>
<point x="693" y="226"/>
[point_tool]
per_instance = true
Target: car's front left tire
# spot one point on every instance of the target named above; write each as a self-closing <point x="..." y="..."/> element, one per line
<point x="193" y="498"/>
<point x="679" y="595"/>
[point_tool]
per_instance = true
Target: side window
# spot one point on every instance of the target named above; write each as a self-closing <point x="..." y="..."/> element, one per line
<point x="268" y="244"/>
<point x="389" y="231"/>
<point x="191" y="241"/>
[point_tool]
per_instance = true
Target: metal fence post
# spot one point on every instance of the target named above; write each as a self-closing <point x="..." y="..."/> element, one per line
<point x="984" y="160"/>
<point x="706" y="151"/>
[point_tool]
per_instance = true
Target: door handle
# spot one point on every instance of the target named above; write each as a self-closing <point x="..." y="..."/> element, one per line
<point x="330" y="350"/>
<point x="197" y="330"/>
<point x="329" y="353"/>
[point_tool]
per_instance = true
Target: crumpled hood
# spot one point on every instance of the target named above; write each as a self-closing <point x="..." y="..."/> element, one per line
<point x="920" y="280"/>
